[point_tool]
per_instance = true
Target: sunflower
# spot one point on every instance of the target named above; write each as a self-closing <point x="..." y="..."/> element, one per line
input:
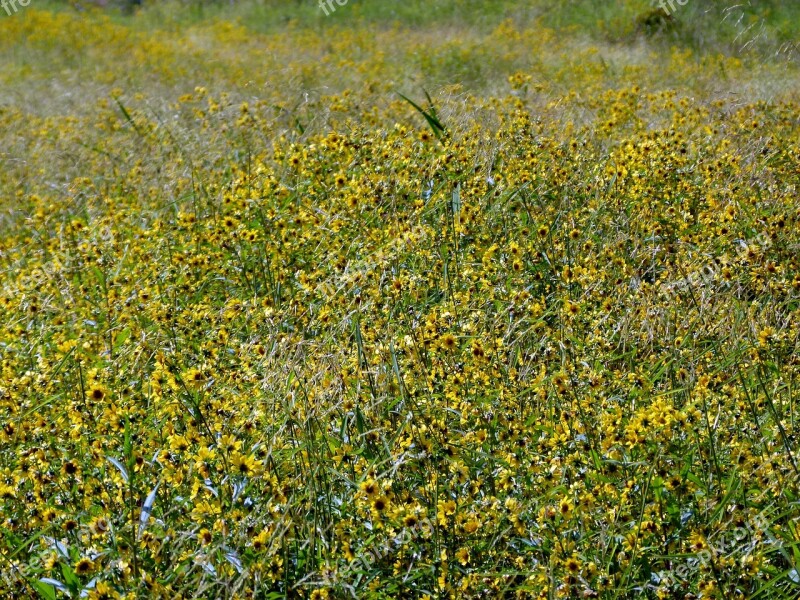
<point x="84" y="566"/>
<point x="103" y="591"/>
<point x="448" y="342"/>
<point x="260" y="541"/>
<point x="205" y="536"/>
<point x="244" y="464"/>
<point x="370" y="488"/>
<point x="96" y="393"/>
<point x="573" y="565"/>
<point x="380" y="504"/>
<point x="70" y="468"/>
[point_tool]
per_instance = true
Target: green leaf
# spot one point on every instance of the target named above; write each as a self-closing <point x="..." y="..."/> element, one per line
<point x="46" y="591"/>
<point x="431" y="107"/>
<point x="456" y="200"/>
<point x="430" y="116"/>
<point x="396" y="369"/>
<point x="128" y="445"/>
<point x="360" y="421"/>
<point x="696" y="480"/>
<point x="101" y="278"/>
<point x="70" y="578"/>
<point x="121" y="338"/>
<point x="128" y="116"/>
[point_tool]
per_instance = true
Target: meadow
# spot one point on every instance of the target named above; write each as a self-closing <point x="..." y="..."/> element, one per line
<point x="443" y="299"/>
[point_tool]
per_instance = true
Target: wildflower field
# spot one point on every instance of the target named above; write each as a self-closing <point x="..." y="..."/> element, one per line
<point x="445" y="299"/>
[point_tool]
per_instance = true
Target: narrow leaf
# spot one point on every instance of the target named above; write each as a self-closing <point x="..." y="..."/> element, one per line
<point x="127" y="116"/>
<point x="119" y="466"/>
<point x="147" y="509"/>
<point x="435" y="124"/>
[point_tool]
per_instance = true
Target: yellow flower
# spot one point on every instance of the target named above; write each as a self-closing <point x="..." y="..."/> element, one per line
<point x="448" y="342"/>
<point x="261" y="540"/>
<point x="565" y="508"/>
<point x="380" y="504"/>
<point x="765" y="336"/>
<point x="96" y="393"/>
<point x="205" y="536"/>
<point x="84" y="566"/>
<point x="103" y="591"/>
<point x="245" y="465"/>
<point x="369" y="488"/>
